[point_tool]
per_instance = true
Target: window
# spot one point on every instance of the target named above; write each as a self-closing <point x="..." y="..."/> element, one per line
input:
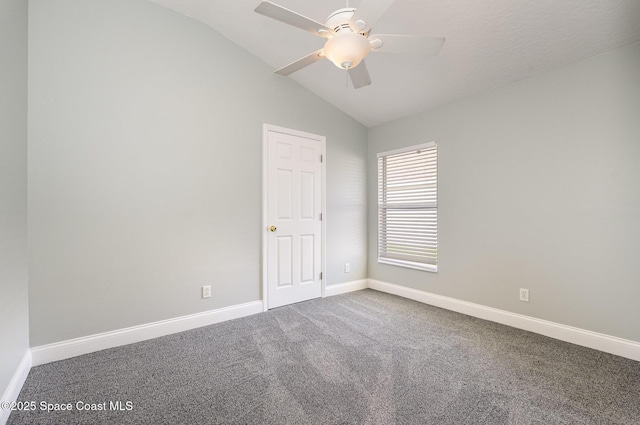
<point x="408" y="207"/>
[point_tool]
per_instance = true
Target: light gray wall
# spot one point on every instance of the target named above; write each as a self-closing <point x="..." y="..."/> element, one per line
<point x="145" y="159"/>
<point x="14" y="312"/>
<point x="539" y="188"/>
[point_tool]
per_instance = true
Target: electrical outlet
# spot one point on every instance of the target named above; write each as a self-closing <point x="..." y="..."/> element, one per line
<point x="524" y="295"/>
<point x="206" y="291"/>
<point x="347" y="267"/>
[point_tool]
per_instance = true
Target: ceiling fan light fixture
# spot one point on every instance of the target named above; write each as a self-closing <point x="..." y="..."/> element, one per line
<point x="347" y="50"/>
<point x="347" y="32"/>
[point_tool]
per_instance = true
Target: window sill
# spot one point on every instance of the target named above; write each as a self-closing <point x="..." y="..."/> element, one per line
<point x="409" y="265"/>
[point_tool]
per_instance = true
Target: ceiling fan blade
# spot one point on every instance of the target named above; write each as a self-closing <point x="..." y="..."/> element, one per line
<point x="301" y="63"/>
<point x="360" y="76"/>
<point x="396" y="43"/>
<point x="290" y="17"/>
<point x="369" y="11"/>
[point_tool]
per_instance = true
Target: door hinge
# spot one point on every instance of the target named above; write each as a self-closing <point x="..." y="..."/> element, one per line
<point x="321" y="158"/>
<point x="320" y="275"/>
<point x="320" y="216"/>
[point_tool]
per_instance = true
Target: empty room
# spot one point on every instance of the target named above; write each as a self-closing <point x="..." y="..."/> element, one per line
<point x="319" y="212"/>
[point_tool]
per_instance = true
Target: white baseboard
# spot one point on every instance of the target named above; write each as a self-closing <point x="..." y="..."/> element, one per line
<point x="12" y="391"/>
<point x="343" y="288"/>
<point x="88" y="344"/>
<point x="609" y="344"/>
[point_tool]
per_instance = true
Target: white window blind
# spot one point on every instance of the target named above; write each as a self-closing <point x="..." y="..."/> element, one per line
<point x="408" y="207"/>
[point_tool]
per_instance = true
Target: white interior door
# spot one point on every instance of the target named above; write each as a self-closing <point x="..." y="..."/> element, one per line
<point x="293" y="215"/>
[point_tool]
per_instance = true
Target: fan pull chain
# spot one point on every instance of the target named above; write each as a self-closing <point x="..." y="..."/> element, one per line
<point x="346" y="79"/>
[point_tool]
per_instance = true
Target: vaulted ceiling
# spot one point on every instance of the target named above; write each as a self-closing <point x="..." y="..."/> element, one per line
<point x="488" y="44"/>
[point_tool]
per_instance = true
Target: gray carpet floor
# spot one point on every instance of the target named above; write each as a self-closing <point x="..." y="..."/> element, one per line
<point x="359" y="358"/>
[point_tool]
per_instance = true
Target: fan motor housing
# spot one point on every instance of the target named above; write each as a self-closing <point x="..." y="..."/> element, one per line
<point x="339" y="20"/>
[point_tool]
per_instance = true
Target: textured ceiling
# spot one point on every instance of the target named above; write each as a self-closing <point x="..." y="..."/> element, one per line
<point x="488" y="45"/>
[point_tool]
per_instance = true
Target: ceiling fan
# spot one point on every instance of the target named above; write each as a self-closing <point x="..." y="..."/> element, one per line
<point x="349" y="38"/>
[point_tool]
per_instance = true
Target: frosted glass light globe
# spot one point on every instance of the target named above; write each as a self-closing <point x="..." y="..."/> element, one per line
<point x="347" y="50"/>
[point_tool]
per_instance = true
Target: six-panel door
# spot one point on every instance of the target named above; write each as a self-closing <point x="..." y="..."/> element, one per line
<point x="294" y="209"/>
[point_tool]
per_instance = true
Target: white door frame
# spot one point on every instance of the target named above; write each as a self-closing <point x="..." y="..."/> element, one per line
<point x="266" y="128"/>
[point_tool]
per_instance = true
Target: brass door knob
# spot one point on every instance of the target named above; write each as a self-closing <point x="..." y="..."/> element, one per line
<point x="273" y="228"/>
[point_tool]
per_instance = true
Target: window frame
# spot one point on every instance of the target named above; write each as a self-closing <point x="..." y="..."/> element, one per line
<point x="398" y="262"/>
